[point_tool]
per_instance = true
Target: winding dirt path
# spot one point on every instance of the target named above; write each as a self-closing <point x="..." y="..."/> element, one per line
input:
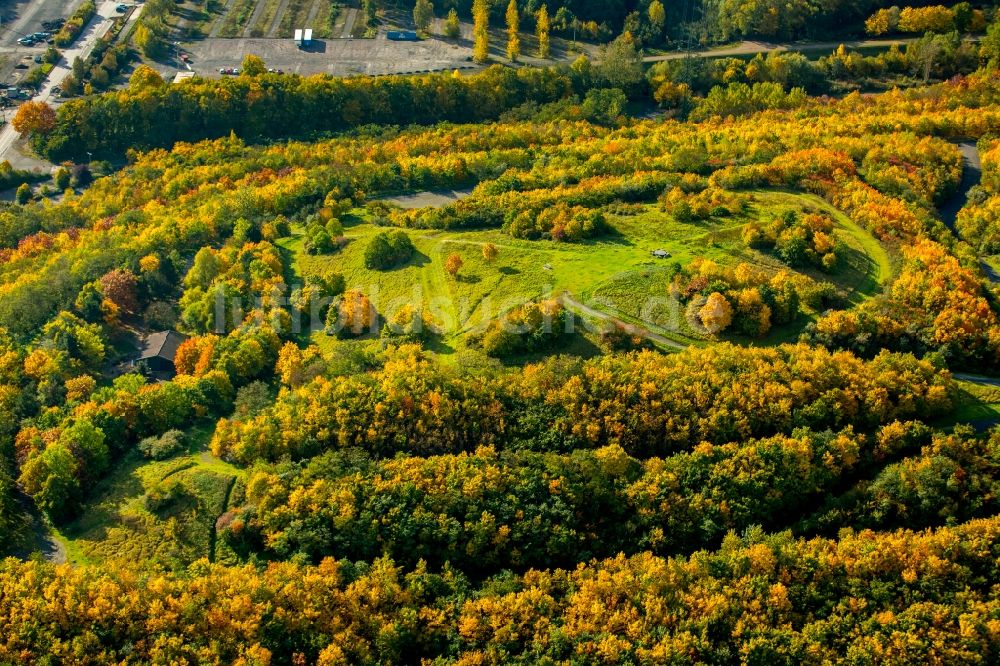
<point x="572" y="304"/>
<point x="753" y="48"/>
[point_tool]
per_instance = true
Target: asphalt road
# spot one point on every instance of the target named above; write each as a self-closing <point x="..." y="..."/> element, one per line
<point x="977" y="379"/>
<point x="972" y="173"/>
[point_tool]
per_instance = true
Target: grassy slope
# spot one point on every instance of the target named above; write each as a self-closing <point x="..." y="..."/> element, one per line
<point x="978" y="404"/>
<point x="115" y="522"/>
<point x="615" y="273"/>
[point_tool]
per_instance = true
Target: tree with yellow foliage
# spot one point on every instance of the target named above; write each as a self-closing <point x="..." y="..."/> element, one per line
<point x="490" y="252"/>
<point x="513" y="32"/>
<point x="145" y="78"/>
<point x="717" y="314"/>
<point x="542" y="28"/>
<point x="481" y="31"/>
<point x="352" y="314"/>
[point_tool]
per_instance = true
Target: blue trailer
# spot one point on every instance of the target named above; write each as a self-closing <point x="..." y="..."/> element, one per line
<point x="403" y="36"/>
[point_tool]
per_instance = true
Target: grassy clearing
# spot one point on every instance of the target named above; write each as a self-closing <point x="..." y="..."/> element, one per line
<point x="295" y="16"/>
<point x="193" y="20"/>
<point x="976" y="403"/>
<point x="117" y="523"/>
<point x="615" y="273"/>
<point x="329" y="21"/>
<point x="639" y="295"/>
<point x="236" y="19"/>
<point x="360" y="28"/>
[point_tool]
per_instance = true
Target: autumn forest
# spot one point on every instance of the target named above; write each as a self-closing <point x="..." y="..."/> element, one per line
<point x="627" y="360"/>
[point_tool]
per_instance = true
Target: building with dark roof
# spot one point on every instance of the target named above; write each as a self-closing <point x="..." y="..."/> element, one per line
<point x="159" y="350"/>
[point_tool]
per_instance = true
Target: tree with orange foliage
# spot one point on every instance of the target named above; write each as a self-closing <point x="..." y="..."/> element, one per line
<point x="194" y="356"/>
<point x="453" y="264"/>
<point x="34" y="118"/>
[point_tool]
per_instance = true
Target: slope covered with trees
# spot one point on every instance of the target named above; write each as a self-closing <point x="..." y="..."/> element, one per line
<point x="379" y="484"/>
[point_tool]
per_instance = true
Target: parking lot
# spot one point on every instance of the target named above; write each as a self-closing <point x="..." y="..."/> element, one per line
<point x="19" y="19"/>
<point x="341" y="57"/>
<point x="23" y="17"/>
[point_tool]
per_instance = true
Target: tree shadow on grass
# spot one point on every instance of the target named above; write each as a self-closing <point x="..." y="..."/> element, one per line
<point x="417" y="260"/>
<point x="107" y="500"/>
<point x="348" y="220"/>
<point x="610" y="236"/>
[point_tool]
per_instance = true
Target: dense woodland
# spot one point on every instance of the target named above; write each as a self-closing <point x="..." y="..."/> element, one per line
<point x="260" y="106"/>
<point x="804" y="482"/>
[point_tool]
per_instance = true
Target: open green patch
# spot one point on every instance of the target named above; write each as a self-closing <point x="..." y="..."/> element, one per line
<point x="154" y="511"/>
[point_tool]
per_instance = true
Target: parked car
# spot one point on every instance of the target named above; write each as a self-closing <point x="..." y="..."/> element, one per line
<point x="38" y="60"/>
<point x="121" y="8"/>
<point x="26" y="41"/>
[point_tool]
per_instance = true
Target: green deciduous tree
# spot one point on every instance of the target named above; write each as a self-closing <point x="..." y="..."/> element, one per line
<point x="23" y="194"/>
<point x="620" y="63"/>
<point x="50" y="478"/>
<point x="452" y="26"/>
<point x="253" y="66"/>
<point x="423" y="14"/>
